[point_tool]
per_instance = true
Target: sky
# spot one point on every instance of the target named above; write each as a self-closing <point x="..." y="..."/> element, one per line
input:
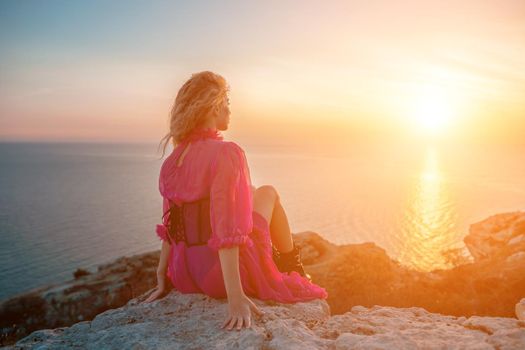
<point x="108" y="71"/>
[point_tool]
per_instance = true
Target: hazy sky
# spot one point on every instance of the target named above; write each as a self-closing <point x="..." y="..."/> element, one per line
<point x="109" y="70"/>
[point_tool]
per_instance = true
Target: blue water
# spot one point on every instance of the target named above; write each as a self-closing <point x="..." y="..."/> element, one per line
<point x="64" y="206"/>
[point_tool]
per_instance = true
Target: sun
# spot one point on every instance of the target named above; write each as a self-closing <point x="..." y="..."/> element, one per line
<point x="433" y="110"/>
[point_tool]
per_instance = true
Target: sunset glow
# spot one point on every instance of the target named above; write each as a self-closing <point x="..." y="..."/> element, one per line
<point x="380" y="71"/>
<point x="434" y="110"/>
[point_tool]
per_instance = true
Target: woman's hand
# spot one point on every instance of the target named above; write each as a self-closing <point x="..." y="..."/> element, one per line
<point x="239" y="312"/>
<point x="239" y="305"/>
<point x="160" y="289"/>
<point x="161" y="273"/>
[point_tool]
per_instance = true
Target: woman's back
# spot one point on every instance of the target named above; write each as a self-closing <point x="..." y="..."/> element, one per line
<point x="218" y="169"/>
<point x="186" y="173"/>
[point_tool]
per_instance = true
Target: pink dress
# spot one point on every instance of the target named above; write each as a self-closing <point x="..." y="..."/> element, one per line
<point x="218" y="169"/>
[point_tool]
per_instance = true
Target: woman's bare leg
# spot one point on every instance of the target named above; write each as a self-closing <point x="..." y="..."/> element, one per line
<point x="267" y="203"/>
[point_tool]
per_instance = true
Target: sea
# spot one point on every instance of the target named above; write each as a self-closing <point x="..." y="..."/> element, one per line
<point x="65" y="206"/>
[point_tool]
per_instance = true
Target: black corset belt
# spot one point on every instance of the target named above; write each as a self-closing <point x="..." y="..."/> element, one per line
<point x="189" y="222"/>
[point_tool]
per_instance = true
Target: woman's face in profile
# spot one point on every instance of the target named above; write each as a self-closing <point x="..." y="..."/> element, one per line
<point x="223" y="115"/>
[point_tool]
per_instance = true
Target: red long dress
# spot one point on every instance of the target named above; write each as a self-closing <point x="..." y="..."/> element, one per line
<point x="218" y="169"/>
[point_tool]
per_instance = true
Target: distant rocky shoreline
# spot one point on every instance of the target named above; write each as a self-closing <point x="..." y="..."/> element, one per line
<point x="355" y="275"/>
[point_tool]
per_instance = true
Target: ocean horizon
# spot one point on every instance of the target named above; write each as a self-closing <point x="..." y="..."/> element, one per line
<point x="70" y="205"/>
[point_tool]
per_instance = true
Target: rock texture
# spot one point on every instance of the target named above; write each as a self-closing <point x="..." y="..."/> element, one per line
<point x="192" y="321"/>
<point x="498" y="235"/>
<point x="354" y="274"/>
<point x="113" y="285"/>
<point x="363" y="274"/>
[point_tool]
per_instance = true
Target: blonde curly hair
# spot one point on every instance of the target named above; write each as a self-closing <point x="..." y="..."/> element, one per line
<point x="195" y="101"/>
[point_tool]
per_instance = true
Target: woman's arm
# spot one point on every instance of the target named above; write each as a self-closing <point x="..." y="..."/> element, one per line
<point x="161" y="272"/>
<point x="239" y="305"/>
<point x="163" y="260"/>
<point x="229" y="258"/>
<point x="231" y="222"/>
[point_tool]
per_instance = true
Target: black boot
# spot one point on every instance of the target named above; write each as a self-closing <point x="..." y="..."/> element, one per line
<point x="290" y="261"/>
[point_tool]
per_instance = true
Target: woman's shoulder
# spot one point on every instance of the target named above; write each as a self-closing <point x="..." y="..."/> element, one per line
<point x="229" y="150"/>
<point x="224" y="146"/>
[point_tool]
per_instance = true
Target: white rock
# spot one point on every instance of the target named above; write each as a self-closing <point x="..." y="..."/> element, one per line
<point x="191" y="321"/>
<point x="520" y="310"/>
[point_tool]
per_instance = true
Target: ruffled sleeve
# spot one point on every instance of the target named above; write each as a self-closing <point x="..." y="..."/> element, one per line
<point x="230" y="199"/>
<point x="162" y="229"/>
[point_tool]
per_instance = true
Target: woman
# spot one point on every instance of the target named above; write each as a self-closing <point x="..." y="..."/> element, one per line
<point x="220" y="235"/>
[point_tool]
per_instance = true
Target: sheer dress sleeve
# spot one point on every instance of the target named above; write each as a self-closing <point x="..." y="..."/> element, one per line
<point x="230" y="199"/>
<point x="162" y="229"/>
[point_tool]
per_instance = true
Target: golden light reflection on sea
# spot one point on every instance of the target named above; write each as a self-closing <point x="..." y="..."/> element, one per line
<point x="416" y="202"/>
<point x="428" y="220"/>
